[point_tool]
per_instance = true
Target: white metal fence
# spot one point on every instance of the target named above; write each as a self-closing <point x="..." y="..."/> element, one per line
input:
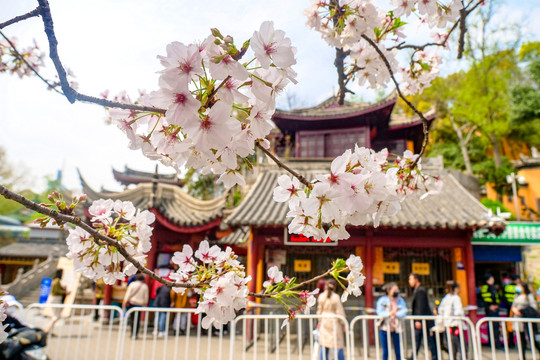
<point x="170" y="333"/>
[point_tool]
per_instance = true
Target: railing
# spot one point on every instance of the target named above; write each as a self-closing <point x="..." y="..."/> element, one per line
<point x="525" y="332"/>
<point x="75" y="336"/>
<point x="171" y="333"/>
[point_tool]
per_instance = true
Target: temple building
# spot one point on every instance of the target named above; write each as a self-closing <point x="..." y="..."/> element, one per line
<point x="431" y="237"/>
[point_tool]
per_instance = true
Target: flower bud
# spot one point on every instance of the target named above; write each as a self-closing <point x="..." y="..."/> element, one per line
<point x="216" y="33"/>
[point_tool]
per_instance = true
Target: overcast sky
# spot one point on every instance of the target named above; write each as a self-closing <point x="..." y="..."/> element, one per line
<point x="113" y="45"/>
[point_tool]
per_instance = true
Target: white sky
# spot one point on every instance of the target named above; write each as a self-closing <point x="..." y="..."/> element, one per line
<point x="113" y="45"/>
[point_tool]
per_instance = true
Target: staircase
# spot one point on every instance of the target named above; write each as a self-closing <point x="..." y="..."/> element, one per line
<point x="27" y="285"/>
<point x="30" y="298"/>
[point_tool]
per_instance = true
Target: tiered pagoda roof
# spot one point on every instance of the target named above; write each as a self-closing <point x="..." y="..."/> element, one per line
<point x="174" y="208"/>
<point x="130" y="176"/>
<point x="329" y="114"/>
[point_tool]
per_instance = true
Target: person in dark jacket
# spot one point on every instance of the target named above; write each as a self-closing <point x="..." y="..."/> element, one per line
<point x="420" y="306"/>
<point x="163" y="300"/>
<point x="491" y="302"/>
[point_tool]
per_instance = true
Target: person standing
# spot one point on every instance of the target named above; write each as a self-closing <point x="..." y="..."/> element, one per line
<point x="420" y="306"/>
<point x="57" y="295"/>
<point x="136" y="296"/>
<point x="99" y="294"/>
<point x="450" y="309"/>
<point x="491" y="305"/>
<point x="525" y="306"/>
<point x="331" y="329"/>
<point x="392" y="308"/>
<point x="162" y="300"/>
<point x="180" y="301"/>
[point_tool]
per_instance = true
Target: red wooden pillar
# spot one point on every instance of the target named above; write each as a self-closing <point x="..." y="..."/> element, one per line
<point x="471" y="278"/>
<point x="253" y="261"/>
<point x="107" y="300"/>
<point x="368" y="286"/>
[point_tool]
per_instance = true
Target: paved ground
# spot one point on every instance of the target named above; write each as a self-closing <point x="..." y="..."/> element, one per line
<point x="80" y="338"/>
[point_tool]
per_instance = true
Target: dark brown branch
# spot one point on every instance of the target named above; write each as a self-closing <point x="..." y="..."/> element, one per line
<point x="425" y="122"/>
<point x="16" y="19"/>
<point x="279" y="163"/>
<point x="71" y="94"/>
<point x="21" y="57"/>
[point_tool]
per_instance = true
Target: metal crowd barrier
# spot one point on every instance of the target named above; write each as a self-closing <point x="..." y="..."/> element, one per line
<point x="294" y="342"/>
<point x="74" y="335"/>
<point x="451" y="341"/>
<point x="525" y="332"/>
<point x="262" y="336"/>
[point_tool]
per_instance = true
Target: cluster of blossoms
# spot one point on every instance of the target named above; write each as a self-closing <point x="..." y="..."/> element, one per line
<point x="118" y="220"/>
<point x="219" y="278"/>
<point x="286" y="291"/>
<point x="346" y="23"/>
<point x="362" y="186"/>
<point x="217" y="107"/>
<point x="11" y="62"/>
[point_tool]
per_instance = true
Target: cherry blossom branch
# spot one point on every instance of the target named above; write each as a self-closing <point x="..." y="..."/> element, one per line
<point x="425" y="122"/>
<point x="280" y="164"/>
<point x="65" y="218"/>
<point x="461" y="22"/>
<point x="21" y="57"/>
<point x="16" y="19"/>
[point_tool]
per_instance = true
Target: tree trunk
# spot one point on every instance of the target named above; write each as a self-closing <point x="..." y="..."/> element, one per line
<point x="497" y="158"/>
<point x="466" y="158"/>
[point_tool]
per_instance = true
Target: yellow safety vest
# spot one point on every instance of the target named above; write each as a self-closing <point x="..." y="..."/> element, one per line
<point x="486" y="295"/>
<point x="510" y="293"/>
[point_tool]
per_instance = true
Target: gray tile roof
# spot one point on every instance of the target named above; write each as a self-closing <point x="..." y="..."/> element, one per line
<point x="237" y="237"/>
<point x="331" y="108"/>
<point x="173" y="203"/>
<point x="453" y="208"/>
<point x="41" y="249"/>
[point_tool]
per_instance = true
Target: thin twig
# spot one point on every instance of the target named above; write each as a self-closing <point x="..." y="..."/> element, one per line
<point x="425" y="122"/>
<point x="280" y="164"/>
<point x="16" y="19"/>
<point x="21" y="57"/>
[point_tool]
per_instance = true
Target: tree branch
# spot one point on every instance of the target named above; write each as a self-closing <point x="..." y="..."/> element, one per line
<point x="16" y="19"/>
<point x="425" y="122"/>
<point x="280" y="164"/>
<point x="71" y="94"/>
<point x="65" y="218"/>
<point x="21" y="57"/>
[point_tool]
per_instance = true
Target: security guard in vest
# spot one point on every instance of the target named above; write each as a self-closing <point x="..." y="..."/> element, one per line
<point x="509" y="295"/>
<point x="491" y="302"/>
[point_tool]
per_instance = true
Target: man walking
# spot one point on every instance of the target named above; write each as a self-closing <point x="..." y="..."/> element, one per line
<point x="491" y="303"/>
<point x="420" y="306"/>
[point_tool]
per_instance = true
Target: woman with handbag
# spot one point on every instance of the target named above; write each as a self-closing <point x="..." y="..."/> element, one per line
<point x="392" y="308"/>
<point x="450" y="309"/>
<point x="525" y="306"/>
<point x="136" y="296"/>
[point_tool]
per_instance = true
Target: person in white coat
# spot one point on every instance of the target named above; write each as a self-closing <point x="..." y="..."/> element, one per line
<point x="331" y="330"/>
<point x="451" y="308"/>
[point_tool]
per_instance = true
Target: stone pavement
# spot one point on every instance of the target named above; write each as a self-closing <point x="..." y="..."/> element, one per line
<point x="80" y="338"/>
